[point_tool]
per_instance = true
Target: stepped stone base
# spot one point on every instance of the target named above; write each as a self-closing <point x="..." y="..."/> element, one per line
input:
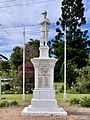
<point x="43" y="111"/>
<point x="43" y="103"/>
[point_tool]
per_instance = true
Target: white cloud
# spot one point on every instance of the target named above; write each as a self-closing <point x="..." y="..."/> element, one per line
<point x="29" y="14"/>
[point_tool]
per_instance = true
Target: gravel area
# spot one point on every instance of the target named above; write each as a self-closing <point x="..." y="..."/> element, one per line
<point x="74" y="113"/>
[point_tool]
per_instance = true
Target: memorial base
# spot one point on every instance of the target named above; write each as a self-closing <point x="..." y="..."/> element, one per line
<point x="43" y="103"/>
<point x="43" y="111"/>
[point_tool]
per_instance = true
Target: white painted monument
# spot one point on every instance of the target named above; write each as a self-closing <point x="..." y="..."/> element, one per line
<point x="43" y="101"/>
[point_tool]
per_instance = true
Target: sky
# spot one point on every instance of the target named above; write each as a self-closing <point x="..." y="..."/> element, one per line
<point x="17" y="14"/>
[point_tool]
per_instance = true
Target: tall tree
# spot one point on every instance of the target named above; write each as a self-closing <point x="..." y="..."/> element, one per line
<point x="4" y="66"/>
<point x="16" y="57"/>
<point x="78" y="45"/>
<point x="4" y="69"/>
<point x="31" y="51"/>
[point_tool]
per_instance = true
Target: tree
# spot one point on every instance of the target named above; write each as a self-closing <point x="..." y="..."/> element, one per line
<point x="4" y="66"/>
<point x="32" y="50"/>
<point x="16" y="57"/>
<point x="71" y="73"/>
<point x="78" y="45"/>
<point x="57" y="49"/>
<point x="83" y="81"/>
<point x="4" y="69"/>
<point x="29" y="76"/>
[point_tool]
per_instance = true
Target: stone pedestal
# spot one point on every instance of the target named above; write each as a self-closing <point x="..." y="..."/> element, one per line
<point x="43" y="101"/>
<point x="44" y="51"/>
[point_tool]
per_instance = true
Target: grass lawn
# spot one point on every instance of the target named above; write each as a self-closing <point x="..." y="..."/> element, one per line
<point x="16" y="97"/>
<point x="59" y="97"/>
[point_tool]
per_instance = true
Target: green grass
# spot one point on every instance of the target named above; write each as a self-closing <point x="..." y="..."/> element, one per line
<point x="58" y="84"/>
<point x="59" y="97"/>
<point x="16" y="97"/>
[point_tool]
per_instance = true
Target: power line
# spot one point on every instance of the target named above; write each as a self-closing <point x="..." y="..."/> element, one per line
<point x="16" y="33"/>
<point x="14" y="30"/>
<point x="3" y="29"/>
<point x="21" y="27"/>
<point x="4" y="32"/>
<point x="27" y="3"/>
<point x="26" y="27"/>
<point x="18" y="30"/>
<point x="10" y="31"/>
<point x="30" y="28"/>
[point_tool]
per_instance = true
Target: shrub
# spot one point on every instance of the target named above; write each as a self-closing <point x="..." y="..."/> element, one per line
<point x="11" y="103"/>
<point x="85" y="102"/>
<point x="8" y="103"/>
<point x="3" y="104"/>
<point x="8" y="92"/>
<point x="82" y="85"/>
<point x="6" y="86"/>
<point x="75" y="101"/>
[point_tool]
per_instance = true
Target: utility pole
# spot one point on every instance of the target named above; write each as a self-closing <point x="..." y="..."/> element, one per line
<point x="65" y="64"/>
<point x="24" y="65"/>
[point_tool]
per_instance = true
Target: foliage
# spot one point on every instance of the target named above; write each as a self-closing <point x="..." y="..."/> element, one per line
<point x="75" y="101"/>
<point x="4" y="66"/>
<point x="8" y="103"/>
<point x="16" y="63"/>
<point x="12" y="74"/>
<point x="77" y="40"/>
<point x="59" y="87"/>
<point x="28" y="67"/>
<point x="6" y="86"/>
<point x="57" y="50"/>
<point x="16" y="57"/>
<point x="59" y="71"/>
<point x="85" y="102"/>
<point x="59" y="97"/>
<point x="31" y="50"/>
<point x="71" y="73"/>
<point x="4" y="104"/>
<point x="13" y="103"/>
<point x="16" y="97"/>
<point x="29" y="76"/>
<point x="78" y="45"/>
<point x="83" y="81"/>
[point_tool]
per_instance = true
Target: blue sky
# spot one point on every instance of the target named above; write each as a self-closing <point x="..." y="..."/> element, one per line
<point x="15" y="14"/>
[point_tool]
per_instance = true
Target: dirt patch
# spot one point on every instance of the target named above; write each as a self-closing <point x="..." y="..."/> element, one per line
<point x="74" y="113"/>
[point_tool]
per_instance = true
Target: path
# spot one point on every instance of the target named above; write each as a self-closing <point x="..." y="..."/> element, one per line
<point x="74" y="113"/>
